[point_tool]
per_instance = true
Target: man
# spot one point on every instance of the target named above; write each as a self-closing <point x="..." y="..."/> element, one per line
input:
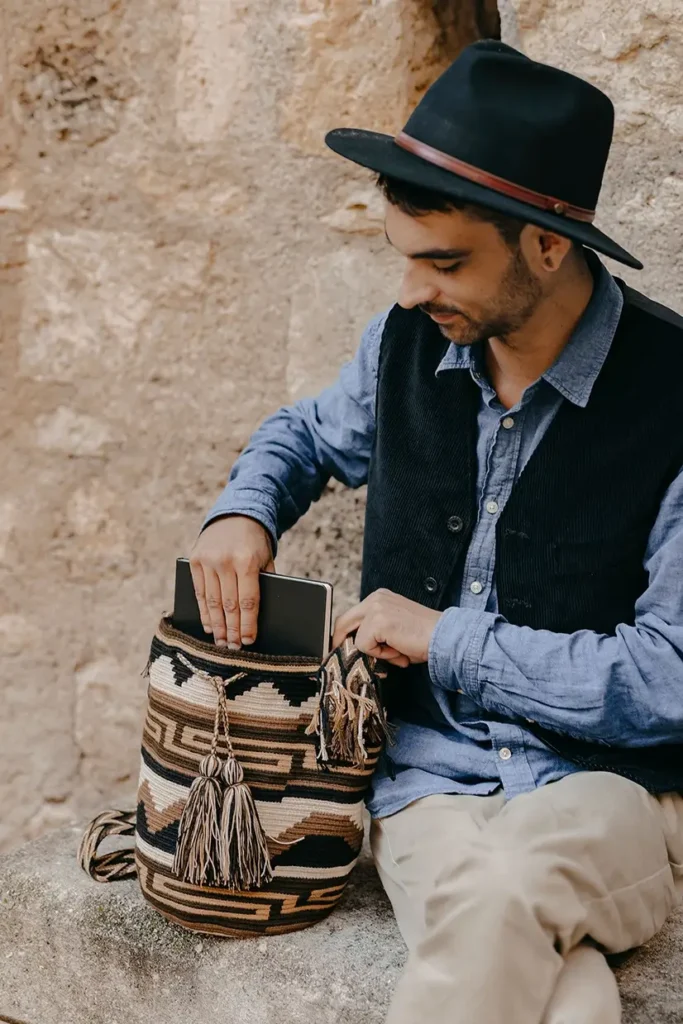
<point x="517" y="419"/>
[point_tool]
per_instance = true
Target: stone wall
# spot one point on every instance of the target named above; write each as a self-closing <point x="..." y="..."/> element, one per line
<point x="179" y="255"/>
<point x="634" y="51"/>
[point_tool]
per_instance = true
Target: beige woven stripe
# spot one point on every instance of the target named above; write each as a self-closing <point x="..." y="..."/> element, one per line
<point x="292" y="871"/>
<point x="279" y="817"/>
<point x="288" y="811"/>
<point x="195" y="690"/>
<point x="159" y="857"/>
<point x="263" y="700"/>
<point x="163" y="791"/>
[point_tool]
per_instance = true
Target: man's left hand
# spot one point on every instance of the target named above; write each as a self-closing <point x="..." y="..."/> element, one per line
<point x="389" y="627"/>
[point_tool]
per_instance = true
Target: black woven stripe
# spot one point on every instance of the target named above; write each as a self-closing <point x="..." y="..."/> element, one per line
<point x="171" y="774"/>
<point x="296" y="689"/>
<point x="165" y="839"/>
<point x="315" y="851"/>
<point x="267" y="788"/>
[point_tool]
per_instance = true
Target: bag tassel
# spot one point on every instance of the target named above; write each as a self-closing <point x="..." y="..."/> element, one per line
<point x="244" y="857"/>
<point x="345" y="721"/>
<point x="221" y="841"/>
<point x="197" y="855"/>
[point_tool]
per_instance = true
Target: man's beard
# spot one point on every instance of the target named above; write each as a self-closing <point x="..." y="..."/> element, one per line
<point x="519" y="295"/>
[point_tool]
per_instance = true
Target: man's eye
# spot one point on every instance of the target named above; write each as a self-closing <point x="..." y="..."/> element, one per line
<point x="450" y="269"/>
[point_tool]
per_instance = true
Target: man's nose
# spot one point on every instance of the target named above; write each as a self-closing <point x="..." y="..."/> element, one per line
<point x="416" y="287"/>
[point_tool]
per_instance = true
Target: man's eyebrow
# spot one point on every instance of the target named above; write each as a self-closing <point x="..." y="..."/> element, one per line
<point x="434" y="254"/>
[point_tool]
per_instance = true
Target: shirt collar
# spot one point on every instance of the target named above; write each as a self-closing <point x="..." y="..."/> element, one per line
<point x="576" y="369"/>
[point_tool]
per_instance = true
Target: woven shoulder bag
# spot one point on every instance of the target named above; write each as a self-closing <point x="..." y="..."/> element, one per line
<point x="252" y="780"/>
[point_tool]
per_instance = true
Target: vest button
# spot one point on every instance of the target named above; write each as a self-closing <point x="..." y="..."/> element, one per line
<point x="430" y="584"/>
<point x="455" y="524"/>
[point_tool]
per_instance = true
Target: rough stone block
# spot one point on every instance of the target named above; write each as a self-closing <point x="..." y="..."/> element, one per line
<point x="71" y="432"/>
<point x="634" y="53"/>
<point x="110" y="705"/>
<point x="212" y="67"/>
<point x="73" y="951"/>
<point x="332" y="86"/>
<point x="361" y="213"/>
<point x="92" y="298"/>
<point x="332" y="300"/>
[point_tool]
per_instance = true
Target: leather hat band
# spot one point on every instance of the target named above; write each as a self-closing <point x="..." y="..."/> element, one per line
<point x="492" y="181"/>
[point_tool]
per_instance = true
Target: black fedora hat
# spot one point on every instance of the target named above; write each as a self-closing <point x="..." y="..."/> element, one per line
<point x="508" y="133"/>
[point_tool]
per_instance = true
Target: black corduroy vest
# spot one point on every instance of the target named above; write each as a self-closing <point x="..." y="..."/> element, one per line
<point x="571" y="538"/>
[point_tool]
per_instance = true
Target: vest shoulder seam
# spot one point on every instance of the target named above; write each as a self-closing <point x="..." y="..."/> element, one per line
<point x="652" y="308"/>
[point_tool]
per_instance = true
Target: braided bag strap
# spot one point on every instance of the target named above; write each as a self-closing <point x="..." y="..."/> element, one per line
<point x="113" y="866"/>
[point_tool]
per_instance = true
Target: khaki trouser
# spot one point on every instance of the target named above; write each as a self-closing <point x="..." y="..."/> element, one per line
<point x="505" y="907"/>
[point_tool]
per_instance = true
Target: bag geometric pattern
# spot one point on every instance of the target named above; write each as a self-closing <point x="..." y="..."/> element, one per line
<point x="308" y="814"/>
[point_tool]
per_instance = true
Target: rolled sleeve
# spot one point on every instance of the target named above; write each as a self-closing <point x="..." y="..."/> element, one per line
<point x="254" y="504"/>
<point x="455" y="650"/>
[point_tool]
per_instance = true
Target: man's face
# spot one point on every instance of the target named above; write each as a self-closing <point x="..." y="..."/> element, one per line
<point x="461" y="272"/>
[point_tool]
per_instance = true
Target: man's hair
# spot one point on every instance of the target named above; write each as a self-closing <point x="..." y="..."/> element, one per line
<point x="417" y="201"/>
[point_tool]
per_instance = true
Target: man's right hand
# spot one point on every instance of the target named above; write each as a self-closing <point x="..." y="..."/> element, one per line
<point x="225" y="563"/>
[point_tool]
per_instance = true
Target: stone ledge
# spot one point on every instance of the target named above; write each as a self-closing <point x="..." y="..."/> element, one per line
<point x="76" y="952"/>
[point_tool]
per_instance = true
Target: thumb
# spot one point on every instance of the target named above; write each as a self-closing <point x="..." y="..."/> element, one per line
<point x="270" y="567"/>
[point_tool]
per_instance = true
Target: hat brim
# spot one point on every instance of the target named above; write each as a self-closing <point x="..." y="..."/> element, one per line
<point x="380" y="153"/>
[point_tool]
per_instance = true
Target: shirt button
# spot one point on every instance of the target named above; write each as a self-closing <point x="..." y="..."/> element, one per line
<point x="455" y="524"/>
<point x="430" y="584"/>
<point x="508" y="423"/>
<point x="476" y="587"/>
<point x="492" y="507"/>
<point x="505" y="753"/>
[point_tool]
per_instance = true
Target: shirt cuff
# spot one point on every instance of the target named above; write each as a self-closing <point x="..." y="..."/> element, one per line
<point x="247" y="503"/>
<point x="455" y="650"/>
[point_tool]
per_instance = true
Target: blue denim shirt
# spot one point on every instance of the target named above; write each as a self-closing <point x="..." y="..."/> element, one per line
<point x="489" y="678"/>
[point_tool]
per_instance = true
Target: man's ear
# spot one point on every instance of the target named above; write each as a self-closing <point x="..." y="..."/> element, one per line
<point x="545" y="251"/>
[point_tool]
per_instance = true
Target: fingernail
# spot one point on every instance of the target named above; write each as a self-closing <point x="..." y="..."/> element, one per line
<point x="247" y="639"/>
<point x="233" y="647"/>
<point x="207" y="629"/>
<point x="220" y="643"/>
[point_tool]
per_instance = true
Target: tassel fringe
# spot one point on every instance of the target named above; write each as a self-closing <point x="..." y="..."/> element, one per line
<point x="197" y="856"/>
<point x="245" y="861"/>
<point x="221" y="841"/>
<point x="349" y="715"/>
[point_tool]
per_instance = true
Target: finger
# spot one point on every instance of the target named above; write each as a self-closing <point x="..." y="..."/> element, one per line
<point x="348" y="623"/>
<point x="214" y="604"/>
<point x="393" y="656"/>
<point x="248" y="591"/>
<point x="200" y="591"/>
<point x="270" y="567"/>
<point x="229" y="607"/>
<point x="369" y="639"/>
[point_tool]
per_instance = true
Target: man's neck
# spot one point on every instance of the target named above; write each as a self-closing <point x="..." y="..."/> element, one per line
<point x="518" y="360"/>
